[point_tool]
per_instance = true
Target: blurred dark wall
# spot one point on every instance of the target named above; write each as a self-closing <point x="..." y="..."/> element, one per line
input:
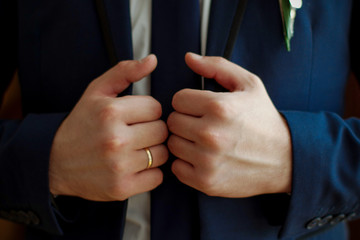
<point x="352" y="109"/>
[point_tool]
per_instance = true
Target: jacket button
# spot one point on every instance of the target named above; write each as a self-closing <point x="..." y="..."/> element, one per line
<point x="313" y="223"/>
<point x="23" y="217"/>
<point x="4" y="214"/>
<point x="351" y="216"/>
<point x="34" y="219"/>
<point x="325" y="220"/>
<point x="13" y="216"/>
<point x="337" y="219"/>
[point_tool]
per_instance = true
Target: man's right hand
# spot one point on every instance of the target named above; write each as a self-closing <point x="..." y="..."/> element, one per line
<point x="98" y="151"/>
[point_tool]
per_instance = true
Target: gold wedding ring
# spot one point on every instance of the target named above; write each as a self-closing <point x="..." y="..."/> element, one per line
<point x="150" y="158"/>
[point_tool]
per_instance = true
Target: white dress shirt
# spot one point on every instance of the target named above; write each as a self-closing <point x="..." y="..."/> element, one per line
<point x="137" y="226"/>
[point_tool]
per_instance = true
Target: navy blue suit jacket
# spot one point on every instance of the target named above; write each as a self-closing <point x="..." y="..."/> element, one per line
<point x="58" y="49"/>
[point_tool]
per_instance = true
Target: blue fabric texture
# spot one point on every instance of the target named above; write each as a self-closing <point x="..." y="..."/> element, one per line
<point x="61" y="50"/>
<point x="175" y="31"/>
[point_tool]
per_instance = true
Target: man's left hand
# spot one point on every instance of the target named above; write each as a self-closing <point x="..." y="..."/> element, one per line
<point x="229" y="144"/>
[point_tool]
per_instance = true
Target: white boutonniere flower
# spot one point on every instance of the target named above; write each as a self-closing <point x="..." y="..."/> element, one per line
<point x="288" y="13"/>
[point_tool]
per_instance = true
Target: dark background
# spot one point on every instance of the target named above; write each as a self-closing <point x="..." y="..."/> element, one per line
<point x="352" y="108"/>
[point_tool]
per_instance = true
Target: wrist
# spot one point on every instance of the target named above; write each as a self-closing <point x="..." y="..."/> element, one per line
<point x="280" y="177"/>
<point x="285" y="171"/>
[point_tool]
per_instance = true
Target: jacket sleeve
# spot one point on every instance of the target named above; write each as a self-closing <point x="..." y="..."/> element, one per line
<point x="24" y="145"/>
<point x="326" y="171"/>
<point x="326" y="162"/>
<point x="24" y="158"/>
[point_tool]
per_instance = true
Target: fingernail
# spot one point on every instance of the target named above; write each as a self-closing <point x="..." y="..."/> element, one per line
<point x="145" y="59"/>
<point x="194" y="55"/>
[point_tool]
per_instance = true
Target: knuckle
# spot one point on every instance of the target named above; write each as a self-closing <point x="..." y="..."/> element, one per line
<point x="117" y="166"/>
<point x="113" y="145"/>
<point x="254" y="80"/>
<point x="154" y="105"/>
<point x="108" y="112"/>
<point x="210" y="137"/>
<point x="221" y="109"/>
<point x="92" y="85"/>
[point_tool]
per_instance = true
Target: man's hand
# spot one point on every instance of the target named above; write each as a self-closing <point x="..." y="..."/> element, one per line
<point x="97" y="153"/>
<point x="231" y="144"/>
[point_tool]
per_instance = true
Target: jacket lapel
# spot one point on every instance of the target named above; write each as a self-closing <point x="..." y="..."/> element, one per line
<point x="118" y="14"/>
<point x="119" y="21"/>
<point x="222" y="13"/>
<point x="212" y="219"/>
<point x="118" y="24"/>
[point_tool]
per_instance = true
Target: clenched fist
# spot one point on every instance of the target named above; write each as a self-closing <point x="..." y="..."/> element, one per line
<point x="97" y="153"/>
<point x="230" y="144"/>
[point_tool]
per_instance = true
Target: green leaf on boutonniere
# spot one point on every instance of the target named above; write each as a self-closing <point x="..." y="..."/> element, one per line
<point x="288" y="13"/>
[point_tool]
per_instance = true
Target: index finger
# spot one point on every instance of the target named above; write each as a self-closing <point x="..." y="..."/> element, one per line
<point x="192" y="102"/>
<point x="133" y="109"/>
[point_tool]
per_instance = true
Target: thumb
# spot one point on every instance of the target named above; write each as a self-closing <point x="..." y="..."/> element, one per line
<point x="227" y="74"/>
<point x="119" y="77"/>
